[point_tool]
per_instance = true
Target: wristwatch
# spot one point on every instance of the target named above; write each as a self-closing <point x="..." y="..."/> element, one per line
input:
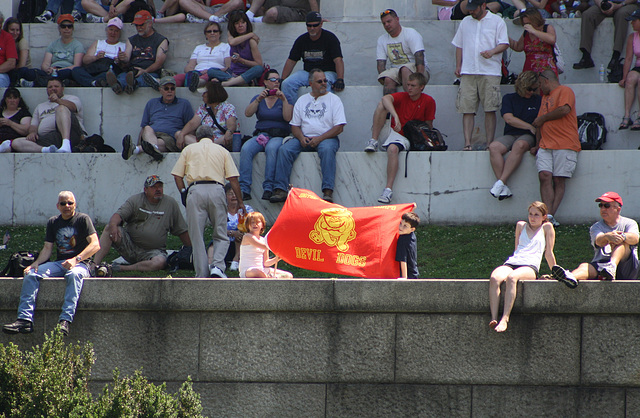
<point x="78" y="258"/>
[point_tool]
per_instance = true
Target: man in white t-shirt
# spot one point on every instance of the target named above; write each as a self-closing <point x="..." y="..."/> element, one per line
<point x="318" y="119"/>
<point x="56" y="125"/>
<point x="404" y="48"/>
<point x="480" y="40"/>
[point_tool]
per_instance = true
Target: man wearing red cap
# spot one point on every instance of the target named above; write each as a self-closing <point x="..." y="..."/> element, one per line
<point x="145" y="53"/>
<point x="615" y="240"/>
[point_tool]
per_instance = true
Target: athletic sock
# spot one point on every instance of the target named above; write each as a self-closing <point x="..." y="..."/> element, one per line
<point x="137" y="150"/>
<point x="66" y="146"/>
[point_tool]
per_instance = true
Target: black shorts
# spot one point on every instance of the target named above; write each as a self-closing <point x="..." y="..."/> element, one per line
<point x="534" y="268"/>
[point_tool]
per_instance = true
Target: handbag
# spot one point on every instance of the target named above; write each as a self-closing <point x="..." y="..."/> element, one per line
<point x="557" y="54"/>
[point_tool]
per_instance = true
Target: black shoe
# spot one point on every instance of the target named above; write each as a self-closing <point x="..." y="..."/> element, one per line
<point x="585" y="62"/>
<point x="278" y="196"/>
<point x="327" y="195"/>
<point x="194" y="81"/>
<point x="21" y="326"/>
<point x="152" y="151"/>
<point x="64" y="327"/>
<point x="245" y="196"/>
<point x="266" y="195"/>
<point x="127" y="147"/>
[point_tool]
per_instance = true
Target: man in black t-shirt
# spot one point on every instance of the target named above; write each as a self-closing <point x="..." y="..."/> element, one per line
<point x="318" y="48"/>
<point x="76" y="240"/>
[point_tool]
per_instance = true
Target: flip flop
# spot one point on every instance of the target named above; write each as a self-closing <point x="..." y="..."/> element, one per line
<point x="635" y="126"/>
<point x="626" y="122"/>
<point x="468" y="147"/>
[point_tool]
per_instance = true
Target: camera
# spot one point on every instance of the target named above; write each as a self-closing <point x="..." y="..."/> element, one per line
<point x="272" y="92"/>
<point x="605" y="5"/>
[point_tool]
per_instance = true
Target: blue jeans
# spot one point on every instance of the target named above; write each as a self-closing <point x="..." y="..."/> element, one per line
<point x="290" y="150"/>
<point x="82" y="77"/>
<point x="4" y="80"/>
<point x="122" y="79"/>
<point x="40" y="78"/>
<point x="291" y="84"/>
<point x="248" y="152"/>
<point x="54" y="5"/>
<point x="31" y="284"/>
<point x="252" y="73"/>
<point x="219" y="74"/>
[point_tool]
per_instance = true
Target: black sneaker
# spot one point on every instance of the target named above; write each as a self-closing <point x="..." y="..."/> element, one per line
<point x="245" y="196"/>
<point x="266" y="195"/>
<point x="151" y="150"/>
<point x="194" y="80"/>
<point x="564" y="276"/>
<point x="21" y="326"/>
<point x="151" y="81"/>
<point x="585" y="62"/>
<point x="64" y="327"/>
<point x="278" y="196"/>
<point x="127" y="147"/>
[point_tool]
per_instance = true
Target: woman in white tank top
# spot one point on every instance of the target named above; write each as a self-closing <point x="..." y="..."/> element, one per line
<point x="532" y="239"/>
<point x="254" y="253"/>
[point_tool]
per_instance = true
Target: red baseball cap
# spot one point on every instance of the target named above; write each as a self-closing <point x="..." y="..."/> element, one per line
<point x="64" y="17"/>
<point x="610" y="197"/>
<point x="141" y="17"/>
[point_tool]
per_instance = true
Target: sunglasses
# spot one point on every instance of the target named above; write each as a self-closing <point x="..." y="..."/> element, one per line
<point x="532" y="88"/>
<point x="66" y="26"/>
<point x="66" y="203"/>
<point x="273" y="79"/>
<point x="604" y="205"/>
<point x="325" y="81"/>
<point x="168" y="88"/>
<point x="212" y="31"/>
<point x="313" y="25"/>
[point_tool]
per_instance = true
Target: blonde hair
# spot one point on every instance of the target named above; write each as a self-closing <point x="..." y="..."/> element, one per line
<point x="526" y="80"/>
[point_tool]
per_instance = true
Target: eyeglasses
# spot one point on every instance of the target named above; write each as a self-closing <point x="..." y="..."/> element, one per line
<point x="66" y="26"/>
<point x="386" y="12"/>
<point x="273" y="79"/>
<point x="66" y="203"/>
<point x="313" y="25"/>
<point x="604" y="205"/>
<point x="212" y="31"/>
<point x="169" y="88"/>
<point x="325" y="81"/>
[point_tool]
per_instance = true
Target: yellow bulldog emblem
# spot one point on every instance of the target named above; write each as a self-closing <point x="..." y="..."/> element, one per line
<point x="334" y="227"/>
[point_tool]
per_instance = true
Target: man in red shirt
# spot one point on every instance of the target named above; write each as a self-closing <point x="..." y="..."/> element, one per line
<point x="403" y="107"/>
<point x="8" y="55"/>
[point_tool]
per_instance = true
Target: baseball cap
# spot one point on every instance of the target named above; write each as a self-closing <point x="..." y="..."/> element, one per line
<point x="633" y="16"/>
<point x="141" y="17"/>
<point x="64" y="17"/>
<point x="115" y="22"/>
<point x="314" y="17"/>
<point x="167" y="80"/>
<point x="610" y="197"/>
<point x="474" y="4"/>
<point x="152" y="180"/>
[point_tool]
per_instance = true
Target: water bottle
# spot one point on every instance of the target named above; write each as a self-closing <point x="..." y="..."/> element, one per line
<point x="601" y="73"/>
<point x="563" y="10"/>
<point x="236" y="143"/>
<point x="54" y="73"/>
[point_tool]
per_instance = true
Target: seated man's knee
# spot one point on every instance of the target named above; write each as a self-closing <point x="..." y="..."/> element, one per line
<point x="63" y="110"/>
<point x="393" y="149"/>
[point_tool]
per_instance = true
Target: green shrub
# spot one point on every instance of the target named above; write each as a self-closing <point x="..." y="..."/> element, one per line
<point x="52" y="381"/>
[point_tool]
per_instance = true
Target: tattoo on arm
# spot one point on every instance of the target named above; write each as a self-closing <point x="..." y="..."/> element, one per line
<point x="419" y="56"/>
<point x="164" y="51"/>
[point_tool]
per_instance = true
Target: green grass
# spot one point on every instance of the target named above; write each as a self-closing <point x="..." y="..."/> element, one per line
<point x="447" y="252"/>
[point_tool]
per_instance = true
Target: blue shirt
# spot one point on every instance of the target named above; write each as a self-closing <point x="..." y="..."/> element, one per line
<point x="167" y="117"/>
<point x="270" y="118"/>
<point x="522" y="108"/>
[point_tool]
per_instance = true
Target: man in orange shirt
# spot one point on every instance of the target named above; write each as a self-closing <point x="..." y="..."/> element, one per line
<point x="557" y="141"/>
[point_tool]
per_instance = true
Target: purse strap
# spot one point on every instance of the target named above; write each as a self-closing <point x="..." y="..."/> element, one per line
<point x="215" y="121"/>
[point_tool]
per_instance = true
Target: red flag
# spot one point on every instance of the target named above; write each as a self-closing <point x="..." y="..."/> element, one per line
<point x="313" y="234"/>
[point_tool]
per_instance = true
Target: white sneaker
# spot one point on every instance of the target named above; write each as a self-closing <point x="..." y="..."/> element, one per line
<point x="91" y="18"/>
<point x="497" y="188"/>
<point x="216" y="272"/>
<point x="505" y="193"/>
<point x="194" y="19"/>
<point x="26" y="83"/>
<point x="386" y="195"/>
<point x="216" y="19"/>
<point x="372" y="146"/>
<point x="77" y="16"/>
<point x="553" y="221"/>
<point x="46" y="17"/>
<point x="234" y="266"/>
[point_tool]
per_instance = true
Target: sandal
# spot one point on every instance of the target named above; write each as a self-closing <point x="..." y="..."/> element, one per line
<point x="468" y="147"/>
<point x="635" y="126"/>
<point x="626" y="122"/>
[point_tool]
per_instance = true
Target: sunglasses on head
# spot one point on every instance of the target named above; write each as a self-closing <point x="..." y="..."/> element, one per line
<point x="66" y="26"/>
<point x="66" y="203"/>
<point x="604" y="205"/>
<point x="313" y="25"/>
<point x="212" y="31"/>
<point x="386" y="12"/>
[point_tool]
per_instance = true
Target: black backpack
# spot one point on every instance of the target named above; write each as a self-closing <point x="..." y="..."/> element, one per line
<point x="180" y="260"/>
<point x="29" y="9"/>
<point x="592" y="130"/>
<point x="616" y="72"/>
<point x="422" y="137"/>
<point x="18" y="262"/>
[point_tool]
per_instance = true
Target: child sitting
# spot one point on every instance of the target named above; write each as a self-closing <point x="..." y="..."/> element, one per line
<point x="254" y="253"/>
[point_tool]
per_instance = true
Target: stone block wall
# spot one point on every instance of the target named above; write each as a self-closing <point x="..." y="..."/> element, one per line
<point x="324" y="348"/>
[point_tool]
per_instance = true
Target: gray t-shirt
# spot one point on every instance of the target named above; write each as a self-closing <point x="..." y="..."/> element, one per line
<point x="603" y="254"/>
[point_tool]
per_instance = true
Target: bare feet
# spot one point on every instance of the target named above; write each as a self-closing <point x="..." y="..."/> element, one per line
<point x="493" y="323"/>
<point x="502" y="326"/>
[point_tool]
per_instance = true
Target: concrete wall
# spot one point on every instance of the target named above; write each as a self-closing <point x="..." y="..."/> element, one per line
<point x="449" y="187"/>
<point x="360" y="347"/>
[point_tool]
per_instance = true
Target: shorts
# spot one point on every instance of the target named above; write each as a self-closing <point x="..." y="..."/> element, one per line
<point x="627" y="270"/>
<point x="289" y="10"/>
<point x="475" y="89"/>
<point x="559" y="162"/>
<point x="169" y="141"/>
<point x="132" y="252"/>
<point x="55" y="138"/>
<point x="394" y="73"/>
<point x="393" y="137"/>
<point x="509" y="140"/>
<point x="513" y="266"/>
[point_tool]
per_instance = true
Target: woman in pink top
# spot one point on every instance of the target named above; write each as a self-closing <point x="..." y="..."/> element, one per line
<point x="630" y="76"/>
<point x="537" y="42"/>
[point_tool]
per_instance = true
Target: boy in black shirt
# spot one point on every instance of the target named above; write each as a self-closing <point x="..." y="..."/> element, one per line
<point x="407" y="249"/>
